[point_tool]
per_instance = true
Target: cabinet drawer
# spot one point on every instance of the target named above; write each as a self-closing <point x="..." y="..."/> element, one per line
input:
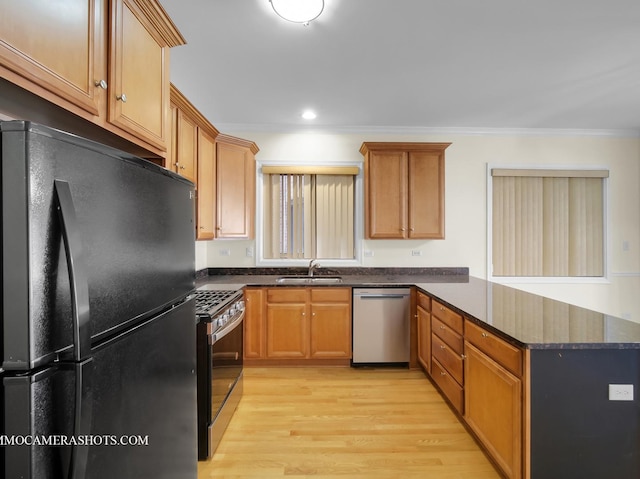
<point x="330" y="295"/>
<point x="497" y="349"/>
<point x="424" y="301"/>
<point x="451" y="389"/>
<point x="447" y="357"/>
<point x="287" y="295"/>
<point x="447" y="316"/>
<point x="448" y="335"/>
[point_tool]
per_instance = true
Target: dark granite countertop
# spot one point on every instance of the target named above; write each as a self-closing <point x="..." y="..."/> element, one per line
<point x="525" y="319"/>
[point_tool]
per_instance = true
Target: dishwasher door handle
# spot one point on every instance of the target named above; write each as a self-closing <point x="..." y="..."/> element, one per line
<point x="382" y="296"/>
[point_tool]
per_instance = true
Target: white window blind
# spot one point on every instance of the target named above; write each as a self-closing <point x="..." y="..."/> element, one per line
<point x="308" y="216"/>
<point x="548" y="223"/>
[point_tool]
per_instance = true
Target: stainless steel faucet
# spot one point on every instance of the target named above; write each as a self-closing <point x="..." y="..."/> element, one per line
<point x="313" y="265"/>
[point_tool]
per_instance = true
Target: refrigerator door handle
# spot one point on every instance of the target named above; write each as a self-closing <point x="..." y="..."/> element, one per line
<point x="83" y="409"/>
<point x="78" y="278"/>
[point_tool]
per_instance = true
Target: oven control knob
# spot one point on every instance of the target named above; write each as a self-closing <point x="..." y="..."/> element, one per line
<point x="223" y="319"/>
<point x="232" y="309"/>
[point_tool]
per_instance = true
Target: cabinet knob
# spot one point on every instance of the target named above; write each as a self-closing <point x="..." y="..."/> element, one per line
<point x="442" y="346"/>
<point x="442" y="327"/>
<point x="463" y="356"/>
<point x="403" y="229"/>
<point x="411" y="229"/>
<point x="122" y="98"/>
<point x="303" y="314"/>
<point x="441" y="308"/>
<point x="102" y="84"/>
<point x="484" y="335"/>
<point x="443" y="373"/>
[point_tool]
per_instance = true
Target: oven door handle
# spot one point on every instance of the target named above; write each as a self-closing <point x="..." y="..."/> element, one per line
<point x="230" y="326"/>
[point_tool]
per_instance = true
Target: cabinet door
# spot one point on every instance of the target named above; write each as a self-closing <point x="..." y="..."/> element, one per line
<point x="254" y="324"/>
<point x="330" y="330"/>
<point x="187" y="147"/>
<point x="58" y="46"/>
<point x="426" y="194"/>
<point x="235" y="172"/>
<point x="287" y="330"/>
<point x="206" y="186"/>
<point x="493" y="409"/>
<point x="424" y="338"/>
<point x="386" y="202"/>
<point x="139" y="74"/>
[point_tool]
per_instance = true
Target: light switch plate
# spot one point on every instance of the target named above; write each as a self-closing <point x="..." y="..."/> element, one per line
<point x="620" y="392"/>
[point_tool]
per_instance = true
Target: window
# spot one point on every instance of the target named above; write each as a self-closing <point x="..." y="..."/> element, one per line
<point x="308" y="212"/>
<point x="548" y="223"/>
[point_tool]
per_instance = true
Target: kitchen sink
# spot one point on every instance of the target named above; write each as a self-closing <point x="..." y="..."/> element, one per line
<point x="309" y="280"/>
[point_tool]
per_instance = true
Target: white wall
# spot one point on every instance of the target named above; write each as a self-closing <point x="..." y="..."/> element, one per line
<point x="465" y="242"/>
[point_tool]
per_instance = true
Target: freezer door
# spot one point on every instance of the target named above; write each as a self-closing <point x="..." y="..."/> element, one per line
<point x="135" y="416"/>
<point x="135" y="222"/>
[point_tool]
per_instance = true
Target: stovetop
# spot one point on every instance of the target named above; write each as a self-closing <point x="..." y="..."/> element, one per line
<point x="210" y="302"/>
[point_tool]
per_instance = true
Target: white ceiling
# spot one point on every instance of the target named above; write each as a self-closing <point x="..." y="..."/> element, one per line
<point x="413" y="65"/>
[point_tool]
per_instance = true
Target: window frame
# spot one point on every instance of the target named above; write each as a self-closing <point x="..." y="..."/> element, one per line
<point x="605" y="278"/>
<point x="358" y="218"/>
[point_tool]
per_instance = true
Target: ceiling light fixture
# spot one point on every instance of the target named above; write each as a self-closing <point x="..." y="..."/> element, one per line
<point x="309" y="115"/>
<point x="298" y="11"/>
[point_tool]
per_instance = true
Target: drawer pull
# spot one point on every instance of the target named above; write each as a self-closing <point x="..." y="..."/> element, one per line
<point x="442" y="373"/>
<point x="441" y="308"/>
<point x="484" y="335"/>
<point x="442" y="346"/>
<point x="442" y="327"/>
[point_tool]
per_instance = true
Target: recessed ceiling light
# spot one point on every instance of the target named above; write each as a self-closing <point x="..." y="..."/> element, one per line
<point x="309" y="115"/>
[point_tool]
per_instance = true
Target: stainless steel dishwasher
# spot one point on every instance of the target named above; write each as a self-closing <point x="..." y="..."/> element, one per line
<point x="381" y="325"/>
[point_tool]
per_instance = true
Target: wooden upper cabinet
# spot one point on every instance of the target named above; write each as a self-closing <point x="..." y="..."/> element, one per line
<point x="56" y="49"/>
<point x="139" y="72"/>
<point x="106" y="61"/>
<point x="235" y="180"/>
<point x="187" y="147"/>
<point x="205" y="223"/>
<point x="404" y="190"/>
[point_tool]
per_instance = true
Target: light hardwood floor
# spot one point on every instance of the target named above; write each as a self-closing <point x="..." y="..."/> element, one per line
<point x="344" y="423"/>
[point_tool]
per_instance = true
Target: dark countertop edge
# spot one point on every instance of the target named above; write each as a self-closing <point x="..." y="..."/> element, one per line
<point x="332" y="271"/>
<point x="240" y="280"/>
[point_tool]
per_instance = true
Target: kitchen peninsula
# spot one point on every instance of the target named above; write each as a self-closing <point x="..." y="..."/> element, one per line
<point x="540" y="383"/>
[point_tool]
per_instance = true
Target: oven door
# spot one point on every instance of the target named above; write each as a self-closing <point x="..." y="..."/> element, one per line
<point x="226" y="361"/>
<point x="219" y="381"/>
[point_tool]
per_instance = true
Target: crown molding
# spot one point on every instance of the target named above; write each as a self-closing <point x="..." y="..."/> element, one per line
<point x="416" y="130"/>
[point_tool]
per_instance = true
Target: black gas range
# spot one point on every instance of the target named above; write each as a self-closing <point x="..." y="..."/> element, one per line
<point x="220" y="341"/>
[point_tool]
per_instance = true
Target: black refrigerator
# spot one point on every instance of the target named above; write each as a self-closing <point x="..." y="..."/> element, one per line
<point x="98" y="317"/>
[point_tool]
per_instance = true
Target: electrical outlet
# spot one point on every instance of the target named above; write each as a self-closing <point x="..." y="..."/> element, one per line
<point x="225" y="252"/>
<point x="249" y="252"/>
<point x="416" y="252"/>
<point x="620" y="392"/>
<point x="625" y="245"/>
<point x="368" y="253"/>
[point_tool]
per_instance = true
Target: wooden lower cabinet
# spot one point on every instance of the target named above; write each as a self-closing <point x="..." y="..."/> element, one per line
<point x="493" y="409"/>
<point x="330" y="334"/>
<point x="290" y="325"/>
<point x="423" y="316"/>
<point x="254" y="323"/>
<point x="483" y="378"/>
